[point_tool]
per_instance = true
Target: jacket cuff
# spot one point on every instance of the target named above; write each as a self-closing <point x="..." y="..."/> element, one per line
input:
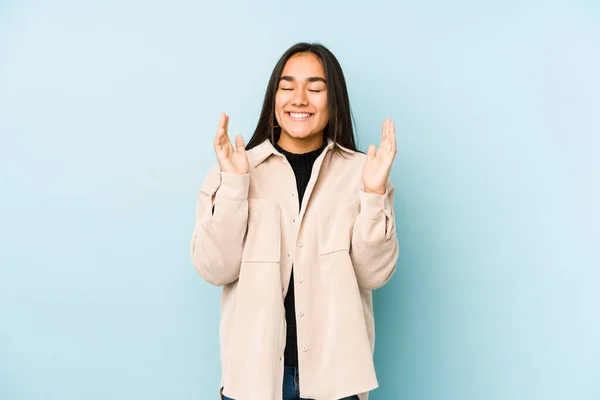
<point x="373" y="205"/>
<point x="233" y="186"/>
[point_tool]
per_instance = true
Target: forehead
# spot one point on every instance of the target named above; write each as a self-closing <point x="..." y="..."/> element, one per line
<point x="303" y="65"/>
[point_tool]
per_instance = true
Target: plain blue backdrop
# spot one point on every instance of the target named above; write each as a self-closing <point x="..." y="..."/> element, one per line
<point x="107" y="115"/>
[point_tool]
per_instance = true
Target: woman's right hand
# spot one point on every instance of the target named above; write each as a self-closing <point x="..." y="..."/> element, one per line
<point x="233" y="160"/>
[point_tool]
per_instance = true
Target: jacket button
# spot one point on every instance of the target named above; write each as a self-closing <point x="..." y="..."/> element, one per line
<point x="300" y="244"/>
<point x="304" y="349"/>
<point x="300" y="280"/>
<point x="301" y="313"/>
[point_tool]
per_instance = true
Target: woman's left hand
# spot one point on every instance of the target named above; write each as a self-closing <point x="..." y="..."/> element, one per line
<point x="377" y="166"/>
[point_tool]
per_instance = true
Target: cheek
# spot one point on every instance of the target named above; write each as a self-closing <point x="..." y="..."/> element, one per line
<point x="321" y="104"/>
<point x="282" y="98"/>
<point x="278" y="102"/>
<point x="325" y="118"/>
<point x="323" y="109"/>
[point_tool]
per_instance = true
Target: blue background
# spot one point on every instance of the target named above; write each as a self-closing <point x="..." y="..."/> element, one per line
<point x="107" y="116"/>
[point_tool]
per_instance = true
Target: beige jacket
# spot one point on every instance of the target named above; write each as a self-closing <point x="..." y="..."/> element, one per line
<point x="342" y="244"/>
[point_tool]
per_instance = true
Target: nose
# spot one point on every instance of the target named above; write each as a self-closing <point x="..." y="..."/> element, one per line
<point x="300" y="98"/>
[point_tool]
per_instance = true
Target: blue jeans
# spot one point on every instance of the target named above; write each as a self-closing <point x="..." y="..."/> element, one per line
<point x="291" y="386"/>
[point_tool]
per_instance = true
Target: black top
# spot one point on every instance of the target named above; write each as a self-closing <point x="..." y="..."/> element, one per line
<point x="302" y="165"/>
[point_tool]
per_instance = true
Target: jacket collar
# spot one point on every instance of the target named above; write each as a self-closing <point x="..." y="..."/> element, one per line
<point x="261" y="152"/>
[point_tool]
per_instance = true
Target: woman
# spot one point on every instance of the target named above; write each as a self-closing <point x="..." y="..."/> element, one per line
<point x="298" y="227"/>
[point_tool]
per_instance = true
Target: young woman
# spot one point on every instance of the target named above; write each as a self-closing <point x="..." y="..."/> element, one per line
<point x="298" y="227"/>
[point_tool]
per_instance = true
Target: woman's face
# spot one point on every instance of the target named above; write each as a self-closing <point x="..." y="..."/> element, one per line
<point x="301" y="100"/>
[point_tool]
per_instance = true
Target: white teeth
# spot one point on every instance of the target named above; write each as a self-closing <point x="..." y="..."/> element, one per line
<point x="299" y="115"/>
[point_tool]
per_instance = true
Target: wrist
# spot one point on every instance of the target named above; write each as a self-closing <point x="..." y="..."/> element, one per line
<point x="379" y="191"/>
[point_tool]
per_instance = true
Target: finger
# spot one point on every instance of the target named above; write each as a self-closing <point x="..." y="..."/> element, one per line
<point x="383" y="135"/>
<point x="220" y="128"/>
<point x="390" y="134"/>
<point x="219" y="145"/>
<point x="239" y="144"/>
<point x="223" y="135"/>
<point x="371" y="151"/>
<point x="393" y="136"/>
<point x="219" y="137"/>
<point x="387" y="134"/>
<point x="224" y="124"/>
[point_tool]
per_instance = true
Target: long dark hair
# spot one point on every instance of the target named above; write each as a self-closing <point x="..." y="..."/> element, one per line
<point x="340" y="125"/>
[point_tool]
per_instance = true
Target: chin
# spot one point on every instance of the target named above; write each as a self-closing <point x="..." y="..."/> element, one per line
<point x="301" y="134"/>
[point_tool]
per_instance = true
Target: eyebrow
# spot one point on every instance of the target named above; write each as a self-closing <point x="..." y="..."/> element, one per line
<point x="309" y="79"/>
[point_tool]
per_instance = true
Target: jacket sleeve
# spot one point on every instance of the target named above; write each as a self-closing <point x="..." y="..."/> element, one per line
<point x="374" y="249"/>
<point x="221" y="221"/>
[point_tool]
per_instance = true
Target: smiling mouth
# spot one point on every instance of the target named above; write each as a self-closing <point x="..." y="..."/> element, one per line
<point x="299" y="116"/>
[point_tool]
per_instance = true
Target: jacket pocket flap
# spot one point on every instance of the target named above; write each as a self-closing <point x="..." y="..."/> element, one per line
<point x="334" y="230"/>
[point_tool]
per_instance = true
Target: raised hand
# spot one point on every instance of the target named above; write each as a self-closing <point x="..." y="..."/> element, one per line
<point x="233" y="160"/>
<point x="377" y="166"/>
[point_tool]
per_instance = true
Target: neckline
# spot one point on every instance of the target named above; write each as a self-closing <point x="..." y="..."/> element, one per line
<point x="300" y="155"/>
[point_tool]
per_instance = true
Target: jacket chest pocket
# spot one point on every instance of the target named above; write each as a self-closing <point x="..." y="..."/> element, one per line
<point x="334" y="230"/>
<point x="263" y="236"/>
